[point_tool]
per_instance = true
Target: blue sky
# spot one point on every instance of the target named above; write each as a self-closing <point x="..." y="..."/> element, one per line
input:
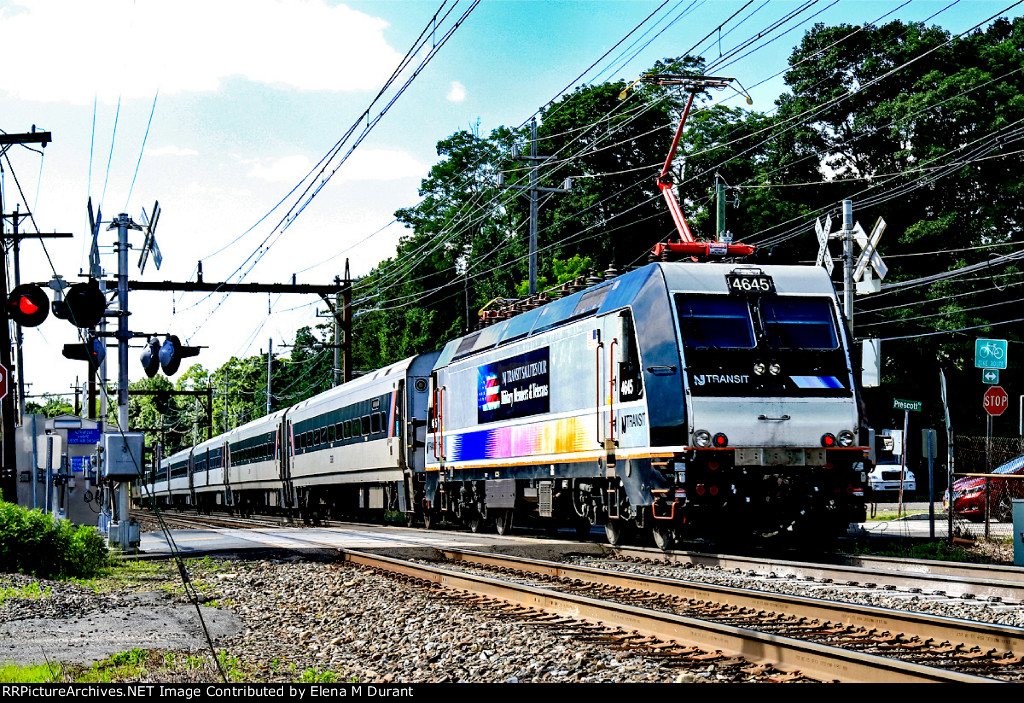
<point x="247" y="95"/>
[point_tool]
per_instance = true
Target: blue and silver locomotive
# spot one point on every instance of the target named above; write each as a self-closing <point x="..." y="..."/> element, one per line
<point x="678" y="399"/>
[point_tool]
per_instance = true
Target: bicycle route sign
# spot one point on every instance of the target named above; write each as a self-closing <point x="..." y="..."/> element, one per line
<point x="990" y="353"/>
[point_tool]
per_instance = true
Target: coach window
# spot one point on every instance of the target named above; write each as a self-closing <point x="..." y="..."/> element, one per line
<point x="330" y="434"/>
<point x="365" y="422"/>
<point x="347" y="429"/>
<point x="375" y="423"/>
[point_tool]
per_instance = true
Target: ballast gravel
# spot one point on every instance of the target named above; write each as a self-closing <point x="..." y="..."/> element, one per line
<point x="293" y="620"/>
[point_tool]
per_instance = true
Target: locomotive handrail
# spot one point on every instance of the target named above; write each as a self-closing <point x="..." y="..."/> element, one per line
<point x="439" y="421"/>
<point x="611" y="388"/>
<point x="597" y="385"/>
<point x="433" y="430"/>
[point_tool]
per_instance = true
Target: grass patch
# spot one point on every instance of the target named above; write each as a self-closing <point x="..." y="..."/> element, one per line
<point x="34" y="673"/>
<point x="132" y="575"/>
<point x="30" y="591"/>
<point x="937" y="551"/>
<point x="884" y="515"/>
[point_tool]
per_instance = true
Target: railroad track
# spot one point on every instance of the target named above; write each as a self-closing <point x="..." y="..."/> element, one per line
<point x="991" y="582"/>
<point x="753" y="640"/>
<point x="756" y="633"/>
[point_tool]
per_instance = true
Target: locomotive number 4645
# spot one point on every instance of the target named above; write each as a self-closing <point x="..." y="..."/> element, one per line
<point x="748" y="283"/>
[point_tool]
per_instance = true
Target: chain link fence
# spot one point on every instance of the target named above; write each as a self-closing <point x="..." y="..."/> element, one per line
<point x="989" y="474"/>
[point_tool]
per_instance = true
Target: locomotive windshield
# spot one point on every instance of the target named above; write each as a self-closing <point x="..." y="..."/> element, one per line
<point x="757" y="345"/>
<point x="799" y="323"/>
<point x="716" y="323"/>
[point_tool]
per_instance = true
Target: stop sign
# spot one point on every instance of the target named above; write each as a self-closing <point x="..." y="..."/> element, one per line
<point x="996" y="400"/>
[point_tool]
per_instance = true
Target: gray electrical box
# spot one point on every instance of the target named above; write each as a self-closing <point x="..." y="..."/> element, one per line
<point x="122" y="455"/>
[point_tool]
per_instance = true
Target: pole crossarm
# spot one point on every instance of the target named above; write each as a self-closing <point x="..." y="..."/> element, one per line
<point x="33" y="137"/>
<point x="204" y="287"/>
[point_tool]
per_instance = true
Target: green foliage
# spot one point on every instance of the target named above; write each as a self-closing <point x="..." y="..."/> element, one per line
<point x="36" y="543"/>
<point x="936" y="551"/>
<point x="52" y="406"/>
<point x="30" y="591"/>
<point x="34" y="673"/>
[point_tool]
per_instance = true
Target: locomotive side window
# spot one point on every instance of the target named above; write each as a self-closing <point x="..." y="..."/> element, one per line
<point x="799" y="323"/>
<point x="630" y="377"/>
<point x="715" y="323"/>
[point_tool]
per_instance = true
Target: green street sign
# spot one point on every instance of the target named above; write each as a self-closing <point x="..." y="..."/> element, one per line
<point x="914" y="405"/>
<point x="990" y="353"/>
<point x="990" y="376"/>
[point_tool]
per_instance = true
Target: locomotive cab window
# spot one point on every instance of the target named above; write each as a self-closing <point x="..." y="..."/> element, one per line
<point x="799" y="323"/>
<point x="715" y="322"/>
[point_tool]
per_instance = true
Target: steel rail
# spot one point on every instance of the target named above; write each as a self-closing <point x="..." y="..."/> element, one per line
<point x="982" y="580"/>
<point x="812" y="660"/>
<point x="986" y="636"/>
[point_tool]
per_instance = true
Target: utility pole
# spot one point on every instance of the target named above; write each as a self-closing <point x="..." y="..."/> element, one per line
<point x="341" y="312"/>
<point x="847" y="235"/>
<point x="270" y="362"/>
<point x="226" y="385"/>
<point x="8" y="459"/>
<point x="722" y="234"/>
<point x="534" y="190"/>
<point x="123" y="223"/>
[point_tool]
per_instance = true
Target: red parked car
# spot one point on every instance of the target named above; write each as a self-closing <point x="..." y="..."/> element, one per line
<point x="969" y="494"/>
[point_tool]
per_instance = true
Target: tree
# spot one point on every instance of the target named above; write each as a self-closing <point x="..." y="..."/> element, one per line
<point x="52" y="406"/>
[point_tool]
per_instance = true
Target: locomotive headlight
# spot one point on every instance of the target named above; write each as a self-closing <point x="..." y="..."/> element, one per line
<point x="774" y="369"/>
<point x="845" y="438"/>
<point x="759" y="369"/>
<point x="702" y="438"/>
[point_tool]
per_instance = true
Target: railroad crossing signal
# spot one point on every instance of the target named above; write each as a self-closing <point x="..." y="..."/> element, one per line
<point x="824" y="257"/>
<point x="996" y="401"/>
<point x="28" y="305"/>
<point x="869" y="255"/>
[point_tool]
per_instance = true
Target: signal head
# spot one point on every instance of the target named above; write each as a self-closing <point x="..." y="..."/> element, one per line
<point x="151" y="357"/>
<point x="28" y="305"/>
<point x="85" y="304"/>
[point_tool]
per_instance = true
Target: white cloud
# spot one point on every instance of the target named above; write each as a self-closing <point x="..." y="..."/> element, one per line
<point x="171" y="150"/>
<point x="457" y="93"/>
<point x="112" y="48"/>
<point x="288" y="169"/>
<point x="381" y="165"/>
<point x="363" y="165"/>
